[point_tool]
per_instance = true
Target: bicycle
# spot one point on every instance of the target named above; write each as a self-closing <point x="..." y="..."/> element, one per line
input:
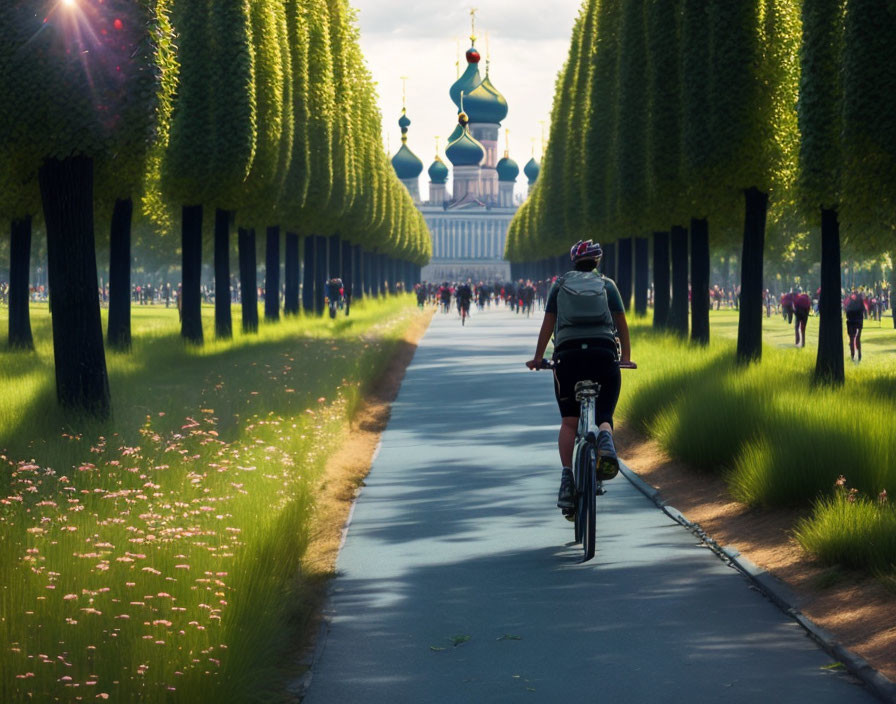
<point x="589" y="469"/>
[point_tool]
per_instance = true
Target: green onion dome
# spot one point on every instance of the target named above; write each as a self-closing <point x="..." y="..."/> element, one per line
<point x="484" y="104"/>
<point x="458" y="131"/>
<point x="532" y="170"/>
<point x="469" y="80"/>
<point x="508" y="170"/>
<point x="465" y="150"/>
<point x="406" y="164"/>
<point x="438" y="172"/>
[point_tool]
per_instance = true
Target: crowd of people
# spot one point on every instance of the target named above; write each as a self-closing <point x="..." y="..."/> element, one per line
<point x="523" y="297"/>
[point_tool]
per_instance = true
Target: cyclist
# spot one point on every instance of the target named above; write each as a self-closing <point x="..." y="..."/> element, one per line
<point x="584" y="314"/>
<point x="445" y="297"/>
<point x="464" y="295"/>
<point x="335" y="291"/>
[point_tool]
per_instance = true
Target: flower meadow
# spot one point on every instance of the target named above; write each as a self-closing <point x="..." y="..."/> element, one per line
<point x="157" y="558"/>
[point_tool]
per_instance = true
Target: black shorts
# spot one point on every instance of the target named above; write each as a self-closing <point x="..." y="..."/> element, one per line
<point x="596" y="363"/>
<point x="801" y="315"/>
<point x="853" y="325"/>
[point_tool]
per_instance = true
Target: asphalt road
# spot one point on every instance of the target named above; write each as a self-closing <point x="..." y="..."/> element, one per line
<point x="458" y="581"/>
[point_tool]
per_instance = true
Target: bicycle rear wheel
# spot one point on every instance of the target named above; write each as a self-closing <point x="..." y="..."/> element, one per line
<point x="578" y="457"/>
<point x="588" y="500"/>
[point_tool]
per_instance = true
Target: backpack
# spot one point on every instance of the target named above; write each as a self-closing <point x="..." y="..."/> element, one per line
<point x="583" y="311"/>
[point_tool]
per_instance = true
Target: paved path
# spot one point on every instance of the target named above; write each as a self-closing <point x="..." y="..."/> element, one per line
<point x="456" y="536"/>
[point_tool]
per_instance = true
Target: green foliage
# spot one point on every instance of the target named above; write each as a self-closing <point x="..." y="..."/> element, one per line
<point x="90" y="73"/>
<point x="821" y="106"/>
<point x="664" y="142"/>
<point x="631" y="141"/>
<point x="600" y="136"/>
<point x="851" y="530"/>
<point x="868" y="202"/>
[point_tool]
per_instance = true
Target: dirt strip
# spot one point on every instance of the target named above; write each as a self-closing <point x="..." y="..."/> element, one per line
<point x="859" y="611"/>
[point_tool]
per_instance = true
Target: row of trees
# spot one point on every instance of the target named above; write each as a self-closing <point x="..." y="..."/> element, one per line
<point x="209" y="115"/>
<point x="741" y="124"/>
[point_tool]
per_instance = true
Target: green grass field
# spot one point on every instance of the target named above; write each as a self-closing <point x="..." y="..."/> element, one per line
<point x="154" y="558"/>
<point x="777" y="439"/>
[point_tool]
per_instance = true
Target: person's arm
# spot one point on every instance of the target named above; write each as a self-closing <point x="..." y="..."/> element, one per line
<point x="544" y="337"/>
<point x="625" y="340"/>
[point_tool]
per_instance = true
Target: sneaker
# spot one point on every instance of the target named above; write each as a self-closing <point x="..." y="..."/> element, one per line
<point x="567" y="494"/>
<point x="608" y="462"/>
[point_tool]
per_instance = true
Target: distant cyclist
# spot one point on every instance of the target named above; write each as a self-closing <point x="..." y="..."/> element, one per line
<point x="584" y="314"/>
<point x="335" y="293"/>
<point x="464" y="295"/>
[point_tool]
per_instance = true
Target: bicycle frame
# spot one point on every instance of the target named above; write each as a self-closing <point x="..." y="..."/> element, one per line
<point x="586" y="394"/>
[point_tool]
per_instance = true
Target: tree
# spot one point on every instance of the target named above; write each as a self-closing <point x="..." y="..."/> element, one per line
<point x="754" y="130"/>
<point x="821" y="158"/>
<point x="95" y="64"/>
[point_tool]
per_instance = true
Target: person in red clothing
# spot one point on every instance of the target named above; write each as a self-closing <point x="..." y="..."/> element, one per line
<point x="787" y="307"/>
<point x="802" y="304"/>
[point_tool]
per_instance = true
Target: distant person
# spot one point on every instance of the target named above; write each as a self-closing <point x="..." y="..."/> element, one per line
<point x="802" y="304"/>
<point x="854" y="305"/>
<point x="787" y="307"/>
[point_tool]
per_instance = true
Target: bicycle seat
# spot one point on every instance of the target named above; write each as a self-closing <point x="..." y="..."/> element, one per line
<point x="586" y="389"/>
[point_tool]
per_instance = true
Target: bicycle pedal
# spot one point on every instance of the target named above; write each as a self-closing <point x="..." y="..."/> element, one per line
<point x="600" y="491"/>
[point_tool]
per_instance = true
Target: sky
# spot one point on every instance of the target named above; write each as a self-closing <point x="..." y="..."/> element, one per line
<point x="528" y="41"/>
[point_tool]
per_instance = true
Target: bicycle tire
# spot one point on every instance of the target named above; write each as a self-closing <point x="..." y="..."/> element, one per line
<point x="580" y="459"/>
<point x="575" y="473"/>
<point x="589" y="504"/>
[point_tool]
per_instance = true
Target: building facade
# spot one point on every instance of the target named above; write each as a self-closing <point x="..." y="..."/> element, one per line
<point x="469" y="224"/>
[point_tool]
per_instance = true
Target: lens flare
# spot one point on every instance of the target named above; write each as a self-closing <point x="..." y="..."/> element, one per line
<point x="68" y="3"/>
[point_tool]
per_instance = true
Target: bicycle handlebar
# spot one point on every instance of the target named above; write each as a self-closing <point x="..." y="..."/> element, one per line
<point x="549" y="364"/>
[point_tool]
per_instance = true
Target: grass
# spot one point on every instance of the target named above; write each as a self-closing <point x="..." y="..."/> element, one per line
<point x="778" y="440"/>
<point x="154" y="558"/>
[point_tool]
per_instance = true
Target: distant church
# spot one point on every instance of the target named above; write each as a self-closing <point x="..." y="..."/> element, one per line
<point x="469" y="225"/>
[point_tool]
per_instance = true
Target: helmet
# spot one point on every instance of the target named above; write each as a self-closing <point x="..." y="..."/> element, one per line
<point x="585" y="250"/>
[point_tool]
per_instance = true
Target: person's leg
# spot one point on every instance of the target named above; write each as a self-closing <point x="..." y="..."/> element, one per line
<point x="796" y="329"/>
<point x="567" y="439"/>
<point x="803" y="322"/>
<point x="851" y="334"/>
<point x="859" y="342"/>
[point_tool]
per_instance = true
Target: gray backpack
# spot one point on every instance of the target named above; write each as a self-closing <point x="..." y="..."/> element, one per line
<point x="583" y="311"/>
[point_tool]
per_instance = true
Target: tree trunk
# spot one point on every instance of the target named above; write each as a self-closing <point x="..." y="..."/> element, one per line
<point x="291" y="275"/>
<point x="19" y="292"/>
<point x="248" y="279"/>
<point x="358" y="272"/>
<point x="118" y="333"/>
<point x="624" y="270"/>
<point x="320" y="274"/>
<point x="749" y="328"/>
<point x="608" y="267"/>
<point x="308" y="277"/>
<point x="272" y="275"/>
<point x="829" y="362"/>
<point x="678" y="311"/>
<point x="66" y="188"/>
<point x="661" y="293"/>
<point x="642" y="275"/>
<point x="191" y="284"/>
<point x="334" y="265"/>
<point x="223" y="312"/>
<point x="893" y="286"/>
<point x="700" y="281"/>
<point x="348" y="273"/>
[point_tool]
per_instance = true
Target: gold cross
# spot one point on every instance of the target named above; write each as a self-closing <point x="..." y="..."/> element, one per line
<point x="404" y="92"/>
<point x="473" y="11"/>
